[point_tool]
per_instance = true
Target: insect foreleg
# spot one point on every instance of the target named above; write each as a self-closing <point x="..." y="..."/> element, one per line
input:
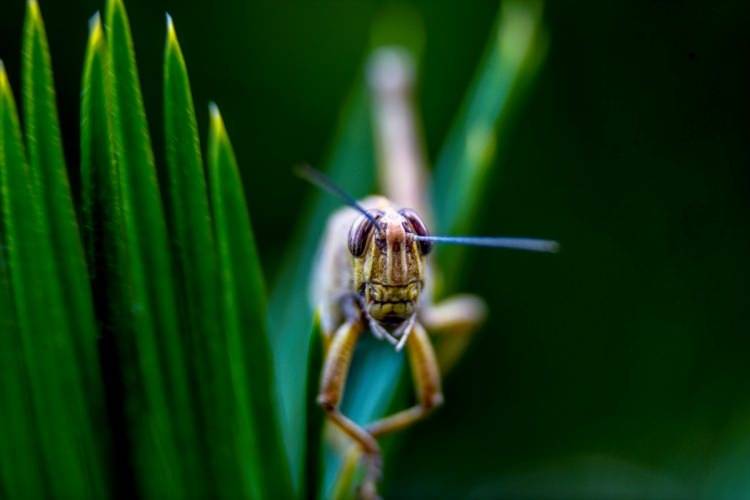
<point x="426" y="376"/>
<point x="332" y="382"/>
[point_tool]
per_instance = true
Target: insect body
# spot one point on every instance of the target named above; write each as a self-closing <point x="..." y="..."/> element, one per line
<point x="373" y="271"/>
<point x="372" y="274"/>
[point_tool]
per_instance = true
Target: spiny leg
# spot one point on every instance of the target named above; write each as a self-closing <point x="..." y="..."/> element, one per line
<point x="332" y="382"/>
<point x="426" y="376"/>
<point x="455" y="319"/>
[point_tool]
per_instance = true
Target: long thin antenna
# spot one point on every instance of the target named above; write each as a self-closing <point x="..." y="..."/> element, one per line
<point x="324" y="182"/>
<point x="530" y="244"/>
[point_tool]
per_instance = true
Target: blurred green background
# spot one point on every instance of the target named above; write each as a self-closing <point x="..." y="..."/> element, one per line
<point x="617" y="369"/>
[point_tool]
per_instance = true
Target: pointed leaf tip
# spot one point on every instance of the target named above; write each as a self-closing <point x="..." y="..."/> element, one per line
<point x="33" y="7"/>
<point x="95" y="29"/>
<point x="217" y="122"/>
<point x="3" y="77"/>
<point x="34" y="16"/>
<point x="170" y="24"/>
<point x="172" y="42"/>
<point x="95" y="23"/>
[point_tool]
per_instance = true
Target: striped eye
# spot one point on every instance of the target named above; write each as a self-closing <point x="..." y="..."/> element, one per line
<point x="417" y="227"/>
<point x="360" y="232"/>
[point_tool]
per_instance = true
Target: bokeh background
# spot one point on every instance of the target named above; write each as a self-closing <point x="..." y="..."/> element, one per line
<point x="617" y="369"/>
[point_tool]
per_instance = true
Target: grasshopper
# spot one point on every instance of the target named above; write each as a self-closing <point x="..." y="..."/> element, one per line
<point x="374" y="273"/>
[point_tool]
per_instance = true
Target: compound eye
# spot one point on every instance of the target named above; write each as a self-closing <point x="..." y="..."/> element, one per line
<point x="418" y="227"/>
<point x="360" y="232"/>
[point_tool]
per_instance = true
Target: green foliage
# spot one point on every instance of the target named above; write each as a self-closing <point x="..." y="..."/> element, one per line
<point x="185" y="343"/>
<point x="209" y="386"/>
<point x="47" y="164"/>
<point x="167" y="434"/>
<point x="49" y="287"/>
<point x="192" y="246"/>
<point x="24" y="471"/>
<point x="257" y="435"/>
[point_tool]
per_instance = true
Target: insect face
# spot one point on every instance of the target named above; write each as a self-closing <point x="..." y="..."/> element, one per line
<point x="389" y="264"/>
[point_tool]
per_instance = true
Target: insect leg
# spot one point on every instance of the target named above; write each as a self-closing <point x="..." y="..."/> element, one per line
<point x="426" y="375"/>
<point x="454" y="320"/>
<point x="332" y="382"/>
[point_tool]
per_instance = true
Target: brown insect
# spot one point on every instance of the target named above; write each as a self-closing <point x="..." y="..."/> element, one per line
<point x="373" y="272"/>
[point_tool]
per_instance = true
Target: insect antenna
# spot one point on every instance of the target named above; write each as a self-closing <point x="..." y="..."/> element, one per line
<point x="530" y="244"/>
<point x="319" y="179"/>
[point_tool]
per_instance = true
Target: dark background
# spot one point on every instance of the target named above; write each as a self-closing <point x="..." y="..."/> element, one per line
<point x="618" y="369"/>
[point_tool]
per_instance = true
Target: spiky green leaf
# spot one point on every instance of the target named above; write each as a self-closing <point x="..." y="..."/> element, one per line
<point x="50" y="177"/>
<point x="258" y="438"/>
<point x="166" y="444"/>
<point x="100" y="193"/>
<point x="19" y="470"/>
<point x="193" y="245"/>
<point x="64" y="445"/>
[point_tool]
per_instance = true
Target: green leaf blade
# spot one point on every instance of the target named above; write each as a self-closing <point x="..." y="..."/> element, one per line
<point x="102" y="229"/>
<point x="64" y="437"/>
<point x="49" y="174"/>
<point x="189" y="220"/>
<point x="19" y="463"/>
<point x="118" y="275"/>
<point x="166" y="426"/>
<point x="243" y="311"/>
<point x="68" y="286"/>
<point x="188" y="209"/>
<point x="100" y="194"/>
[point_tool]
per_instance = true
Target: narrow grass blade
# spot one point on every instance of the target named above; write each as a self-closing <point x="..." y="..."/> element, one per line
<point x="64" y="438"/>
<point x="243" y="308"/>
<point x="100" y="194"/>
<point x="471" y="149"/>
<point x="100" y="197"/>
<point x="166" y="445"/>
<point x="19" y="462"/>
<point x="351" y="166"/>
<point x="20" y="472"/>
<point x="189" y="220"/>
<point x="103" y="231"/>
<point x="51" y="179"/>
